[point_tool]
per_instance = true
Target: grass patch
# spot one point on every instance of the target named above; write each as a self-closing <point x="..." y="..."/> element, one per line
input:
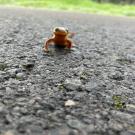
<point x="3" y="66"/>
<point x="118" y="102"/>
<point x="75" y="5"/>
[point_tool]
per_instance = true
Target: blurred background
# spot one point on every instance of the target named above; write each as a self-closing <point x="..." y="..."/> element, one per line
<point x="108" y="7"/>
<point x="118" y="1"/>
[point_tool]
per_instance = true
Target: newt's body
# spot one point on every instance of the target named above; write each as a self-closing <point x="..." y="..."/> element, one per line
<point x="59" y="38"/>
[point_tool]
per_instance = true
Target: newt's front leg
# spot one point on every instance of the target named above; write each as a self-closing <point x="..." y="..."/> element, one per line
<point x="69" y="43"/>
<point x="47" y="43"/>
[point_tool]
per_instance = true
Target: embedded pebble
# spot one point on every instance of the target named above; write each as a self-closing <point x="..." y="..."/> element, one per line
<point x="20" y="75"/>
<point x="116" y="76"/>
<point x="72" y="84"/>
<point x="130" y="108"/>
<point x="8" y="133"/>
<point x="9" y="91"/>
<point x="75" y="124"/>
<point x="70" y="103"/>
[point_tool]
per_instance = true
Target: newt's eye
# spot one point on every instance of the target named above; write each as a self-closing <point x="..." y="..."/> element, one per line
<point x="57" y="29"/>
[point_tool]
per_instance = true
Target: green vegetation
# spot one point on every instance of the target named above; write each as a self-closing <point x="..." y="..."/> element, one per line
<point x="75" y="5"/>
<point x="3" y="66"/>
<point x="118" y="102"/>
<point x="117" y="1"/>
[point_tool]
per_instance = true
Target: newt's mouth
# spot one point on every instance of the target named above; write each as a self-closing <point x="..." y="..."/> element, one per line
<point x="60" y="33"/>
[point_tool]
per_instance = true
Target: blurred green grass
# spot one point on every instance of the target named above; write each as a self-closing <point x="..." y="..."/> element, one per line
<point x="75" y="5"/>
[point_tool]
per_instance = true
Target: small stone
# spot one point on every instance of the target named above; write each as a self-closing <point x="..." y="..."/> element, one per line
<point x="13" y="72"/>
<point x="3" y="111"/>
<point x="24" y="110"/>
<point x="64" y="130"/>
<point x="127" y="133"/>
<point x="75" y="124"/>
<point x="26" y="119"/>
<point x="91" y="128"/>
<point x="73" y="132"/>
<point x="28" y="64"/>
<point x="48" y="71"/>
<point x="91" y="86"/>
<point x="130" y="108"/>
<point x="116" y="76"/>
<point x="131" y="57"/>
<point x="1" y="78"/>
<point x="38" y="99"/>
<point x="29" y="84"/>
<point x="35" y="129"/>
<point x="2" y="72"/>
<point x="8" y="119"/>
<point x="32" y="102"/>
<point x="9" y="91"/>
<point x="21" y="90"/>
<point x="94" y="85"/>
<point x="115" y="125"/>
<point x="47" y="106"/>
<point x="78" y="71"/>
<point x="1" y="94"/>
<point x="20" y="75"/>
<point x="79" y="96"/>
<point x="70" y="103"/>
<point x="40" y="113"/>
<point x="123" y="116"/>
<point x="72" y="84"/>
<point x="8" y="133"/>
<point x="16" y="109"/>
<point x="21" y="127"/>
<point x="22" y="99"/>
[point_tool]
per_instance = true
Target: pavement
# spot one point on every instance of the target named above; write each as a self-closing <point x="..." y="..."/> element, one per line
<point x="89" y="90"/>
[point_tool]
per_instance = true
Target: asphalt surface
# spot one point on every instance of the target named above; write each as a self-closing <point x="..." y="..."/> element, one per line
<point x="97" y="77"/>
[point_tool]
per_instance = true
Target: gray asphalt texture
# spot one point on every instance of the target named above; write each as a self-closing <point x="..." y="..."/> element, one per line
<point x="97" y="74"/>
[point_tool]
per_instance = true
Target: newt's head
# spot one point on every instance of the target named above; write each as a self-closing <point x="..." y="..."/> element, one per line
<point x="60" y="31"/>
